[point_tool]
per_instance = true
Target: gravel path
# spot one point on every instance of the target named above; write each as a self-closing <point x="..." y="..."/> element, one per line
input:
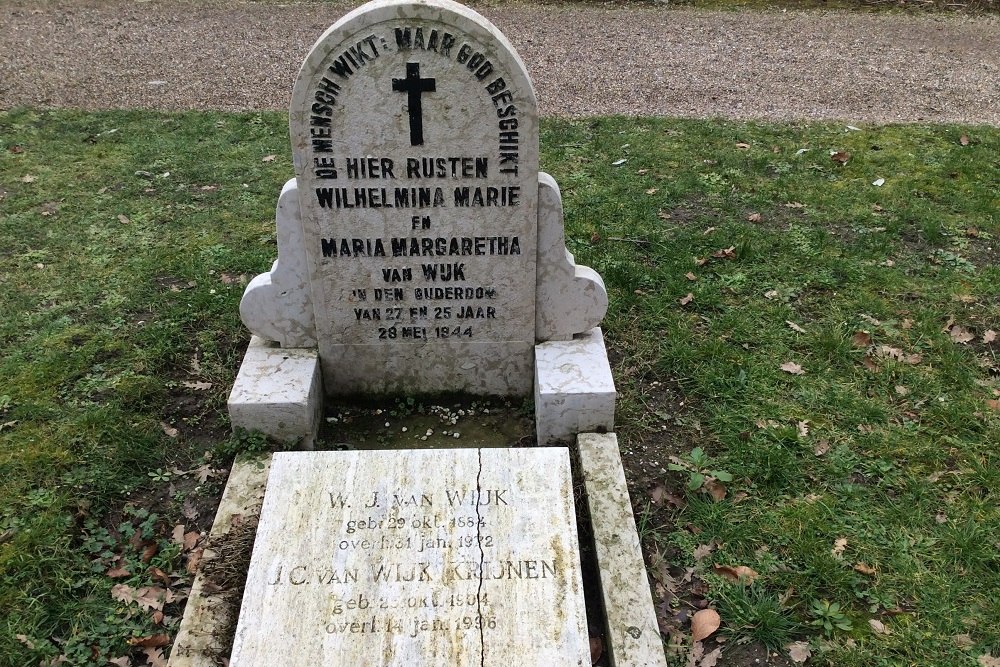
<point x="584" y="59"/>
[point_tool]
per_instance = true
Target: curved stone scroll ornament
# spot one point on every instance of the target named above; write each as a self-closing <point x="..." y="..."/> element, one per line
<point x="569" y="299"/>
<point x="277" y="305"/>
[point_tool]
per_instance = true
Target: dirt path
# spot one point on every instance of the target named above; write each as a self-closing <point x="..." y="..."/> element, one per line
<point x="584" y="59"/>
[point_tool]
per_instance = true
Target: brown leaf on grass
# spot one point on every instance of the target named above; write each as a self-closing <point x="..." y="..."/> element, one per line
<point x="878" y="627"/>
<point x="663" y="215"/>
<point x="822" y="447"/>
<point x="702" y="551"/>
<point x="685" y="300"/>
<point x="190" y="540"/>
<point x="963" y="641"/>
<point x="987" y="660"/>
<point x="803" y="428"/>
<point x="794" y="204"/>
<point x="743" y="146"/>
<point x="690" y="276"/>
<point x="147" y="597"/>
<point x="700" y="261"/>
<point x="754" y="217"/>
<point x="989" y="336"/>
<point x="118" y="572"/>
<point x="194" y="559"/>
<point x="123" y="661"/>
<point x="189" y="511"/>
<point x="159" y="575"/>
<point x="711" y="659"/>
<point x="595" y="237"/>
<point x="961" y="335"/>
<point x="122" y="218"/>
<point x="24" y="640"/>
<point x="28" y="178"/>
<point x="907" y="324"/>
<point x="725" y="253"/>
<point x="794" y="327"/>
<point x="177" y="535"/>
<point x="901" y="390"/>
<point x="771" y="294"/>
<point x="150" y="641"/>
<point x="149" y="551"/>
<point x="704" y="623"/>
<point x="861" y="339"/>
<point x="716" y="489"/>
<point x="838" y="547"/>
<point x="799" y="652"/>
<point x="197" y="386"/>
<point x="740" y="573"/>
<point x="596" y="649"/>
<point x="864" y="569"/>
<point x="964" y="140"/>
<point x="268" y="158"/>
<point x="793" y="368"/>
<point x="169" y="430"/>
<point x="154" y="657"/>
<point x="840" y="156"/>
<point x="993" y="404"/>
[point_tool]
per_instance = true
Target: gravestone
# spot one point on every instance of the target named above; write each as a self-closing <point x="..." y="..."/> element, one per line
<point x="420" y="248"/>
<point x="429" y="557"/>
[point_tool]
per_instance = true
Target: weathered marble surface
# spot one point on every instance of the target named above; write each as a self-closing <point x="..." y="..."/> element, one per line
<point x="574" y="390"/>
<point x="278" y="391"/>
<point x="278" y="305"/>
<point x="397" y="99"/>
<point x="374" y="558"/>
<point x="633" y="635"/>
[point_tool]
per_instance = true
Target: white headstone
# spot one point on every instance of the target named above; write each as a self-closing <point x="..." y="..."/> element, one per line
<point x="458" y="558"/>
<point x="415" y="138"/>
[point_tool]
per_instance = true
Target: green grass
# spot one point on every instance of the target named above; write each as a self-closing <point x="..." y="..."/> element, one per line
<point x="107" y="318"/>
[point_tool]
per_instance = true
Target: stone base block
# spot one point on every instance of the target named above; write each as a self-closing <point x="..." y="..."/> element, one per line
<point x="632" y="631"/>
<point x="574" y="390"/>
<point x="279" y="392"/>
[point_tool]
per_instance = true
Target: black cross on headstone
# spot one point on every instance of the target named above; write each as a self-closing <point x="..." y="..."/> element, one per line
<point x="413" y="86"/>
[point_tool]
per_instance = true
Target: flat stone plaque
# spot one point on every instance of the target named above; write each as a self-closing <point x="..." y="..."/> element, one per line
<point x="464" y="557"/>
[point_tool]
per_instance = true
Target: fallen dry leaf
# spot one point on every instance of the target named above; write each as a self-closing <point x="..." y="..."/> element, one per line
<point x="878" y="627"/>
<point x="169" y="430"/>
<point x="121" y="662"/>
<point x="651" y="191"/>
<point x="704" y="623"/>
<point x="987" y="660"/>
<point x="685" y="300"/>
<point x="963" y="641"/>
<point x="740" y="573"/>
<point x="118" y="572"/>
<point x="268" y="158"/>
<point x="793" y="368"/>
<point x="711" y="659"/>
<point x="191" y="539"/>
<point x="838" y="547"/>
<point x="28" y="178"/>
<point x="822" y="447"/>
<point x="907" y="324"/>
<point x="24" y="640"/>
<point x="794" y="327"/>
<point x="840" y="156"/>
<point x="864" y="569"/>
<point x="198" y="386"/>
<point x="964" y="140"/>
<point x="122" y="218"/>
<point x="149" y="642"/>
<point x="794" y="204"/>
<point x="861" y="339"/>
<point x="961" y="335"/>
<point x="725" y="253"/>
<point x="901" y="390"/>
<point x="799" y="652"/>
<point x="702" y="551"/>
<point x="716" y="489"/>
<point x="742" y="146"/>
<point x="154" y="657"/>
<point x="690" y="276"/>
<point x="754" y="217"/>
<point x="803" y="428"/>
<point x="989" y="336"/>
<point x="993" y="404"/>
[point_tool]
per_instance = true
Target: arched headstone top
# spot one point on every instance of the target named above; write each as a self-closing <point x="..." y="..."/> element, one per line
<point x="414" y="131"/>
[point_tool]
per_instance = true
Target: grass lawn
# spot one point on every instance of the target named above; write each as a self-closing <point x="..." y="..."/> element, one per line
<point x="808" y="367"/>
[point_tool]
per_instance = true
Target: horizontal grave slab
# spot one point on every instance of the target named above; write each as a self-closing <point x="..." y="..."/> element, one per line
<point x="427" y="557"/>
